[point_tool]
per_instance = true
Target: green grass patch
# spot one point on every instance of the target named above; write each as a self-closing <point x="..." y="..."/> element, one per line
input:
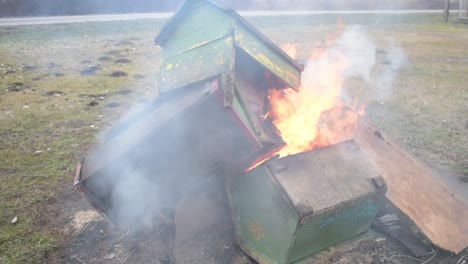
<point x="51" y="114"/>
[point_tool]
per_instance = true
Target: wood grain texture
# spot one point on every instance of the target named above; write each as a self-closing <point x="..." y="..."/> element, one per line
<point x="415" y="190"/>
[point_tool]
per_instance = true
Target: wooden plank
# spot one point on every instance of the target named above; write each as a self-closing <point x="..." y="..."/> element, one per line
<point x="325" y="177"/>
<point x="205" y="23"/>
<point x="197" y="64"/>
<point x="140" y="130"/>
<point x="268" y="57"/>
<point x="415" y="190"/>
<point x="252" y="91"/>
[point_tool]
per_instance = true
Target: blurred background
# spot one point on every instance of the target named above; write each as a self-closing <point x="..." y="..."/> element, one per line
<point x="14" y="8"/>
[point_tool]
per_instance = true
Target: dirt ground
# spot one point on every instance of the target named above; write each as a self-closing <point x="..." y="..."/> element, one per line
<point x="92" y="239"/>
<point x="63" y="86"/>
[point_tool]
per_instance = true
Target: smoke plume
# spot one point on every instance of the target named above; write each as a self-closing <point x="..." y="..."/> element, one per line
<point x="394" y="60"/>
<point x="361" y="51"/>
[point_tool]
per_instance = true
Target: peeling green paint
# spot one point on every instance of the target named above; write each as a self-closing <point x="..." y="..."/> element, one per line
<point x="268" y="203"/>
<point x="195" y="65"/>
<point x="199" y="33"/>
<point x="268" y="57"/>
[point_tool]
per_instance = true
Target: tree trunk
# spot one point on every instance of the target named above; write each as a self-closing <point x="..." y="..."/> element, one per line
<point x="447" y="10"/>
<point x="466" y="7"/>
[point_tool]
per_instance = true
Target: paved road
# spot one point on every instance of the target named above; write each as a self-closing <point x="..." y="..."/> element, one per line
<point x="121" y="17"/>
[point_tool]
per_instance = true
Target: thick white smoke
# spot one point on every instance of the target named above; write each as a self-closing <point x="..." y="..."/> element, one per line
<point x="361" y="51"/>
<point x="134" y="199"/>
<point x="395" y="59"/>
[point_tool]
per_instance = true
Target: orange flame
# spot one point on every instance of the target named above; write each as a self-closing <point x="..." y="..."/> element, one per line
<point x="315" y="116"/>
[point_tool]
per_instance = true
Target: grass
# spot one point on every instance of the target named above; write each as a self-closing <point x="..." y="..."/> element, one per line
<point x="48" y="124"/>
<point x="44" y="133"/>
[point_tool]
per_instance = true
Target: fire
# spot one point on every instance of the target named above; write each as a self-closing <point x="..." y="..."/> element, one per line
<point x="263" y="158"/>
<point x="315" y="116"/>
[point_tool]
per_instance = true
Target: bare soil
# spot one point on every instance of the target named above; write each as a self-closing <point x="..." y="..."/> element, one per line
<point x="96" y="240"/>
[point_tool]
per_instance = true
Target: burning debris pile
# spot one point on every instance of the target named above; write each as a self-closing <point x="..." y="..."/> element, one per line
<point x="317" y="115"/>
<point x="297" y="162"/>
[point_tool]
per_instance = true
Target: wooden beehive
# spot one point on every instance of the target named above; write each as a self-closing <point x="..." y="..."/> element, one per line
<point x="215" y="76"/>
<point x="290" y="208"/>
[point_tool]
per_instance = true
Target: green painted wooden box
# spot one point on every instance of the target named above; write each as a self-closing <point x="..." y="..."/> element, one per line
<point x="290" y="208"/>
<point x="208" y="119"/>
<point x="202" y="41"/>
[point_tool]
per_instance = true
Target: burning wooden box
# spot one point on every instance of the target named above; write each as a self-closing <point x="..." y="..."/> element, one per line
<point x="210" y="116"/>
<point x="203" y="40"/>
<point x="213" y="118"/>
<point x="289" y="208"/>
<point x="173" y="150"/>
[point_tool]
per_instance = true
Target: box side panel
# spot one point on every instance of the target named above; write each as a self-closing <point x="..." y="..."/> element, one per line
<point x="140" y="128"/>
<point x="236" y="105"/>
<point x="416" y="190"/>
<point x="268" y="57"/>
<point x="197" y="64"/>
<point x="264" y="219"/>
<point x="253" y="90"/>
<point x="330" y="226"/>
<point x="203" y="24"/>
<point x="162" y="164"/>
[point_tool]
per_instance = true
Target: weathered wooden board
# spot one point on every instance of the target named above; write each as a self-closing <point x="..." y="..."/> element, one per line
<point x="325" y="177"/>
<point x="196" y="65"/>
<point x="415" y="190"/>
<point x="191" y="32"/>
<point x="267" y="56"/>
<point x="204" y="23"/>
